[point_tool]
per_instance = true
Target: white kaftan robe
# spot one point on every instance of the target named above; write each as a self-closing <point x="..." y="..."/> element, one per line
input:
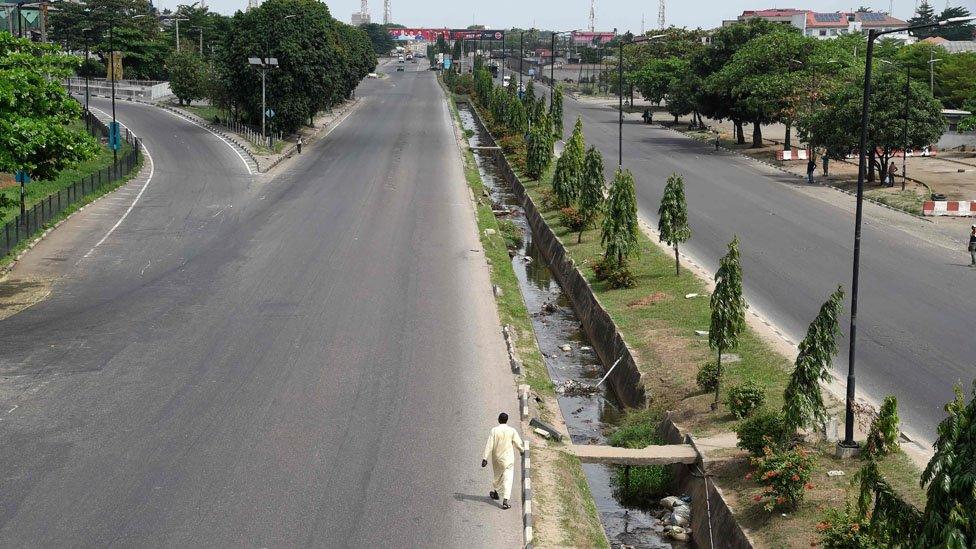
<point x="501" y="445"/>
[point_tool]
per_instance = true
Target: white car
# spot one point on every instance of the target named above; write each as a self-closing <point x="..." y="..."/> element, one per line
<point x="372" y="75"/>
<point x="506" y="81"/>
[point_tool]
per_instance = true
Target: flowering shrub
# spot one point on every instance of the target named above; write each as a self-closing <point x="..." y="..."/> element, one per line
<point x="784" y="475"/>
<point x="842" y="530"/>
<point x="572" y="219"/>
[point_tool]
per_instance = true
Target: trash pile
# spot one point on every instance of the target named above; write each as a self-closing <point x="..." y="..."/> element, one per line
<point x="571" y="387"/>
<point x="678" y="521"/>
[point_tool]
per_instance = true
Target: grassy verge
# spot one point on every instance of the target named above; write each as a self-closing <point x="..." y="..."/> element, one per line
<point x="39" y="189"/>
<point x="104" y="189"/>
<point x="907" y="200"/>
<point x="561" y="494"/>
<point x="206" y="112"/>
<point x="659" y="323"/>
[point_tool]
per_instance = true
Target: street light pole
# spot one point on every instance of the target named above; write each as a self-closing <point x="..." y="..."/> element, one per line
<point x="848" y="447"/>
<point x="904" y="149"/>
<point x="620" y="90"/>
<point x="932" y="62"/>
<point x="521" y="57"/>
<point x="87" y="96"/>
<point x="111" y="47"/>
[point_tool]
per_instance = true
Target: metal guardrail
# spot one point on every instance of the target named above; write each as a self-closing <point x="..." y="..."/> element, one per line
<point x="35" y="218"/>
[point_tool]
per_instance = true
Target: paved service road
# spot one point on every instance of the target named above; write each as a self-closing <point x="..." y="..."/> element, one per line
<point x="915" y="317"/>
<point x="308" y="359"/>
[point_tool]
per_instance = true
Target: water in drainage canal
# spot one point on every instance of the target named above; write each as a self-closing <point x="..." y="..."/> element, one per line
<point x="556" y="325"/>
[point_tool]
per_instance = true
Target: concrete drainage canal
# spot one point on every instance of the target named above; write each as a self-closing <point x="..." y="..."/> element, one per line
<point x="590" y="414"/>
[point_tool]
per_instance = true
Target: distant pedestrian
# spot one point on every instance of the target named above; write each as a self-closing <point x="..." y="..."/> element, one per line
<point x="811" y="167"/>
<point x="826" y="161"/>
<point x="298" y="145"/>
<point x="502" y="442"/>
<point x="892" y="170"/>
<point x="972" y="246"/>
<point x="647" y="116"/>
<point x="718" y="139"/>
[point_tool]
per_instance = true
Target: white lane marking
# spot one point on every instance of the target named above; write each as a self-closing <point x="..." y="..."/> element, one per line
<point x="14" y="408"/>
<point x="215" y="134"/>
<point x="152" y="170"/>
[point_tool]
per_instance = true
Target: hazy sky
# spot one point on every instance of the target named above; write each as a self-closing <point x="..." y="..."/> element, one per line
<point x="574" y="14"/>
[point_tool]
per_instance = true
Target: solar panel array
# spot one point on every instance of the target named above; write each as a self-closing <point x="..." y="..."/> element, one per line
<point x="827" y="17"/>
<point x="873" y="17"/>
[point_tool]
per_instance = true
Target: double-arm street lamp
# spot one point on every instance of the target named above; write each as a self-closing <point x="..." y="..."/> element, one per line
<point x="263" y="64"/>
<point x="848" y="446"/>
<point x="620" y="89"/>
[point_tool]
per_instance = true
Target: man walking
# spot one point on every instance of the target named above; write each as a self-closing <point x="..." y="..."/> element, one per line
<point x="501" y="445"/>
<point x="892" y="170"/>
<point x="972" y="245"/>
<point x="298" y="145"/>
<point x="811" y="167"/>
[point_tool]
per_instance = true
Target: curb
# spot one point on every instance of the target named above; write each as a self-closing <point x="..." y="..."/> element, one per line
<point x="523" y="395"/>
<point x="510" y="346"/>
<point x="526" y="497"/>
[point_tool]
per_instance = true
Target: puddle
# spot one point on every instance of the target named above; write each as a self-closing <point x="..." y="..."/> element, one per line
<point x="556" y="325"/>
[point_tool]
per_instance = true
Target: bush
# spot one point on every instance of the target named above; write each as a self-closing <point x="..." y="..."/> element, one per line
<point x="511" y="233"/>
<point x="784" y="475"/>
<point x="842" y="530"/>
<point x="621" y="277"/>
<point x="766" y="429"/>
<point x="745" y="399"/>
<point x="883" y="435"/>
<point x="572" y="219"/>
<point x="707" y="377"/>
<point x="547" y="199"/>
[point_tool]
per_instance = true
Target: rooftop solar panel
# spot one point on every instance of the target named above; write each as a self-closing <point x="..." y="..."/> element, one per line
<point x="873" y="17"/>
<point x="827" y="17"/>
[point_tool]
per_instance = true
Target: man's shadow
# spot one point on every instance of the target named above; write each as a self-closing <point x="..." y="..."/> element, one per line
<point x="470" y="497"/>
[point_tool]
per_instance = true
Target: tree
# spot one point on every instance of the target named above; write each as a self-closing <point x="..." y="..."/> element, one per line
<point x="765" y="77"/>
<point x="591" y="194"/>
<point x="883" y="435"/>
<point x="963" y="31"/>
<point x="35" y="110"/>
<point x="556" y="112"/>
<point x="924" y="15"/>
<point x="379" y="37"/>
<point x="672" y="222"/>
<point x="564" y="183"/>
<point x="538" y="151"/>
<point x="320" y="61"/>
<point x="728" y="308"/>
<point x="713" y="97"/>
<point x="619" y="237"/>
<point x="954" y="82"/>
<point x="518" y="120"/>
<point x="803" y="405"/>
<point x="187" y="76"/>
<point x="528" y="98"/>
<point x="949" y="519"/>
<point x="837" y="126"/>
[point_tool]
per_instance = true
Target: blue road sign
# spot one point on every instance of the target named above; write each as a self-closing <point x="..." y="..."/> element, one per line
<point x="21" y="177"/>
<point x="270" y="113"/>
<point x="114" y="136"/>
<point x="447" y="62"/>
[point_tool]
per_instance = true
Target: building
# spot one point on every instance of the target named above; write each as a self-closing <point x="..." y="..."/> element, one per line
<point x="826" y="25"/>
<point x="359" y="18"/>
<point x="952" y="46"/>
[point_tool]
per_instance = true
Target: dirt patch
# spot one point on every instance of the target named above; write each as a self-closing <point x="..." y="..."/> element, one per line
<point x="17" y="294"/>
<point x="6" y="180"/>
<point x="677" y="355"/>
<point x="648" y="300"/>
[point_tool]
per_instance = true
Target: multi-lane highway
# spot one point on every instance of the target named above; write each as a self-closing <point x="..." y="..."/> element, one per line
<point x="310" y="357"/>
<point x="917" y="297"/>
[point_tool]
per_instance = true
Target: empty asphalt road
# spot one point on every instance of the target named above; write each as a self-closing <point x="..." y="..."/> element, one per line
<point x="308" y="358"/>
<point x="917" y="297"/>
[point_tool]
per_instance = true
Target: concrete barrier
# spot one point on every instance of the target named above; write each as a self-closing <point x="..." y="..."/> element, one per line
<point x="959" y="208"/>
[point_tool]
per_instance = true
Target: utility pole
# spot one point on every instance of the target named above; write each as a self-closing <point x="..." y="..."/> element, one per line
<point x="111" y="47"/>
<point x="263" y="64"/>
<point x="660" y="14"/>
<point x="387" y="15"/>
<point x="592" y="15"/>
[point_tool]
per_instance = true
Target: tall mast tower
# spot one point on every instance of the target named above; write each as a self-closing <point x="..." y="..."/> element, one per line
<point x="364" y="11"/>
<point x="660" y="14"/>
<point x="387" y="16"/>
<point x="592" y="15"/>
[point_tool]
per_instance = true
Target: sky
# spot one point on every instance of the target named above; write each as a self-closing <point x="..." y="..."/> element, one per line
<point x="574" y="14"/>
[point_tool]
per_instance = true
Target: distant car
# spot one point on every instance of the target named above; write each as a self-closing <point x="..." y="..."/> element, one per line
<point x="506" y="81"/>
<point x="372" y="75"/>
<point x="401" y="68"/>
